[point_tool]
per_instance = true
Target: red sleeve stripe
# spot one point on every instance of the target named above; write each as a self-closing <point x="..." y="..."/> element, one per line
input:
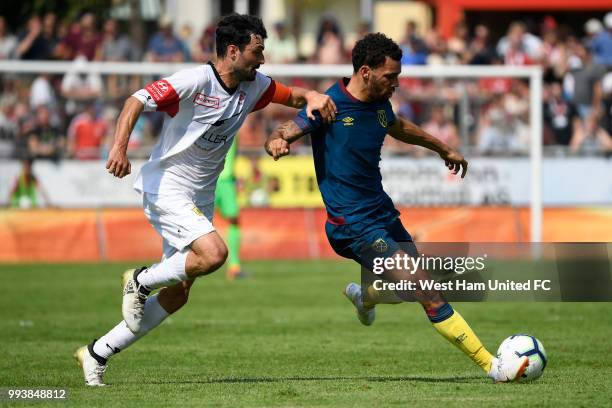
<point x="266" y="98"/>
<point x="165" y="96"/>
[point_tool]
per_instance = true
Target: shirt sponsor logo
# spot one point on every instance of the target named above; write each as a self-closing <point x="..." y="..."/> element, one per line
<point x="208" y="101"/>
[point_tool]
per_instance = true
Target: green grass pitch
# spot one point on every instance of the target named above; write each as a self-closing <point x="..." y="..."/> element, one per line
<point x="286" y="337"/>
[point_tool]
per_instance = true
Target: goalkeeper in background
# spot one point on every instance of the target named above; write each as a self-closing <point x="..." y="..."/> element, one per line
<point x="226" y="202"/>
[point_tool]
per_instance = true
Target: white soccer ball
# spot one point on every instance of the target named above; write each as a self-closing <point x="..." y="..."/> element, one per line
<point x="526" y="345"/>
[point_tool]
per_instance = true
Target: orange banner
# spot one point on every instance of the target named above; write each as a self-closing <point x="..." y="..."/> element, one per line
<point x="124" y="235"/>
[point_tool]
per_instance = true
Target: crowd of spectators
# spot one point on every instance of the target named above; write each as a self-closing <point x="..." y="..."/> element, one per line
<point x="72" y="115"/>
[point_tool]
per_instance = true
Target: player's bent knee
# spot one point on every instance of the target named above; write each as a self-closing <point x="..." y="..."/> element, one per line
<point x="217" y="257"/>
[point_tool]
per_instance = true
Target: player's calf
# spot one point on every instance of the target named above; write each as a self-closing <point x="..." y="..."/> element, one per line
<point x="176" y="296"/>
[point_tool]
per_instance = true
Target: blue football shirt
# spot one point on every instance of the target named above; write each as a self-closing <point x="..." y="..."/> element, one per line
<point x="347" y="156"/>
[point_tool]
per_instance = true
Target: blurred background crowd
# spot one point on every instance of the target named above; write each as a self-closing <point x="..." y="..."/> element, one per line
<point x="72" y="115"/>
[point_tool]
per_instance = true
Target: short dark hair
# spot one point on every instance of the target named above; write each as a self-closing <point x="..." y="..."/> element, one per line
<point x="236" y="29"/>
<point x="372" y="50"/>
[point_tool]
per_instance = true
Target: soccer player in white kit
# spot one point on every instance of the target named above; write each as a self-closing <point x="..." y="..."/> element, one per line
<point x="206" y="107"/>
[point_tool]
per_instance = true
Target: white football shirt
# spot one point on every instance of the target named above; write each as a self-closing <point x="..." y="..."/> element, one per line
<point x="203" y="118"/>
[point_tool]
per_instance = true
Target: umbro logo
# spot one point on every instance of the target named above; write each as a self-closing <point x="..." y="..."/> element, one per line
<point x="348" y="121"/>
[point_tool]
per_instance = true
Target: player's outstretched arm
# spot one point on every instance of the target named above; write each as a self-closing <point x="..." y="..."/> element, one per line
<point x="410" y="133"/>
<point x="277" y="144"/>
<point x="313" y="101"/>
<point x="118" y="164"/>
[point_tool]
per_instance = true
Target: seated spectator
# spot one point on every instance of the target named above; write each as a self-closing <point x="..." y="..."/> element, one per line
<point x="441" y="127"/>
<point x="86" y="135"/>
<point x="601" y="44"/>
<point x="42" y="93"/>
<point x="26" y="191"/>
<point x="79" y="86"/>
<point x="560" y="116"/>
<point x="501" y="133"/>
<point x="590" y="138"/>
<point x="8" y="42"/>
<point x="204" y="49"/>
<point x="281" y="47"/>
<point x="45" y="140"/>
<point x="165" y="46"/>
<point x="83" y="39"/>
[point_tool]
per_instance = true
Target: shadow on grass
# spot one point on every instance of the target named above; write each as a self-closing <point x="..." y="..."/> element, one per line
<point x="238" y="380"/>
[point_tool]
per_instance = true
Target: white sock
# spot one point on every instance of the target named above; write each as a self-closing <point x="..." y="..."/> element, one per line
<point x="168" y="272"/>
<point x="120" y="337"/>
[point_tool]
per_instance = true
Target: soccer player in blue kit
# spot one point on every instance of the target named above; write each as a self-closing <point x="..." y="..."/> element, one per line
<point x="360" y="213"/>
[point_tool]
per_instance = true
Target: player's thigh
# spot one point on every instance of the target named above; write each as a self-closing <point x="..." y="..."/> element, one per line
<point x="177" y="219"/>
<point x="210" y="250"/>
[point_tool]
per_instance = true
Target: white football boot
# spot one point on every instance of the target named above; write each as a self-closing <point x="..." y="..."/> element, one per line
<point x="508" y="368"/>
<point x="353" y="293"/>
<point x="134" y="298"/>
<point x="92" y="369"/>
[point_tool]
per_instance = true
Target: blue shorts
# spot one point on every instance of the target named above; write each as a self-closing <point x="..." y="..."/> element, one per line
<point x="362" y="242"/>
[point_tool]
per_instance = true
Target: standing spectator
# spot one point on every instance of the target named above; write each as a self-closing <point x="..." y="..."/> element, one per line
<point x="8" y="42"/>
<point x="458" y="42"/>
<point x="115" y="46"/>
<point x="204" y="49"/>
<point x="519" y="47"/>
<point x="480" y="51"/>
<point x="281" y="47"/>
<point x="185" y="37"/>
<point x="601" y="44"/>
<point x="82" y="39"/>
<point x="592" y="27"/>
<point x="583" y="83"/>
<point x="32" y="45"/>
<point x="414" y="49"/>
<point x="49" y="35"/>
<point x="45" y="140"/>
<point x="86" y="134"/>
<point x="330" y="42"/>
<point x="165" y="46"/>
<point x="560" y="116"/>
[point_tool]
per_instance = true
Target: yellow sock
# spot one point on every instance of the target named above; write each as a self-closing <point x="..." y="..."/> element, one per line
<point x="456" y="330"/>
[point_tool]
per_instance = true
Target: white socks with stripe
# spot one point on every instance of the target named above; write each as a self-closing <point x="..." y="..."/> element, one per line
<point x="120" y="337"/>
<point x="168" y="272"/>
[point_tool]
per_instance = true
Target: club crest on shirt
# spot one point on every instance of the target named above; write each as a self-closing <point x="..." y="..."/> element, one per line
<point x="382" y="117"/>
<point x="380" y="245"/>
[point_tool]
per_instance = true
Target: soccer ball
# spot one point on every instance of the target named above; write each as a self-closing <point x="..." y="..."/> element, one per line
<point x="526" y="345"/>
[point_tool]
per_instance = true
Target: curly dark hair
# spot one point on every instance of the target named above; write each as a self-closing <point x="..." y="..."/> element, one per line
<point x="372" y="50"/>
<point x="236" y="29"/>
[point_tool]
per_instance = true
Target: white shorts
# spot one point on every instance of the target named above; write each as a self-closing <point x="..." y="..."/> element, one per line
<point x="177" y="219"/>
